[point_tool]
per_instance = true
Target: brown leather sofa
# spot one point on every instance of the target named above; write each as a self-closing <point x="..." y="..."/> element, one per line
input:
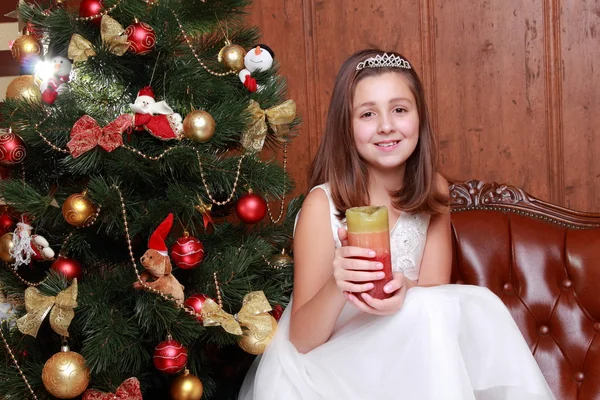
<point x="543" y="261"/>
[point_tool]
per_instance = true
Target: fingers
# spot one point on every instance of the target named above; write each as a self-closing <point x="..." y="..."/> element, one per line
<point x="394" y="284"/>
<point x="361" y="305"/>
<point x="384" y="306"/>
<point x="343" y="236"/>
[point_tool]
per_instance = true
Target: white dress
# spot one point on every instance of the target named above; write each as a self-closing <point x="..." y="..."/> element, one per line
<point x="450" y="342"/>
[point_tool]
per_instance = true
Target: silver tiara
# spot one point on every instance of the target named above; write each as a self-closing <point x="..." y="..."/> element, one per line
<point x="384" y="61"/>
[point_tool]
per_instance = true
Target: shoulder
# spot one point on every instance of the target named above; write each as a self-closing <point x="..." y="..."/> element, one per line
<point x="316" y="203"/>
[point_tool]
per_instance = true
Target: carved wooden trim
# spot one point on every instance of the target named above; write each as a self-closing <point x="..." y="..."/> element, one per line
<point x="477" y="195"/>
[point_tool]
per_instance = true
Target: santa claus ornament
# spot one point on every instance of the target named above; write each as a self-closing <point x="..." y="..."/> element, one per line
<point x="156" y="117"/>
<point x="27" y="247"/>
<point x="52" y="77"/>
<point x="260" y="58"/>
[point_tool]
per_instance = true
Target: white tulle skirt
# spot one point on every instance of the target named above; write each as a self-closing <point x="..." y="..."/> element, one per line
<point x="451" y="342"/>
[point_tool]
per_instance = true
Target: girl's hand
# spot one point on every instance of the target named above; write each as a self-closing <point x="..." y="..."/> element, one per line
<point x="350" y="273"/>
<point x="399" y="285"/>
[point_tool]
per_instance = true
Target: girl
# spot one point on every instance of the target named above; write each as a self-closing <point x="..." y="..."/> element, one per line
<point x="429" y="340"/>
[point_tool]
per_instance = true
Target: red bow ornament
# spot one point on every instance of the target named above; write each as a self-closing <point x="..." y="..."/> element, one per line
<point x="87" y="134"/>
<point x="129" y="390"/>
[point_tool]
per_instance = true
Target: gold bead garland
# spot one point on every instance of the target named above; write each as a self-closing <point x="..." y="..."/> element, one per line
<point x="100" y="14"/>
<point x="275" y="221"/>
<point x="14" y="360"/>
<point x="187" y="40"/>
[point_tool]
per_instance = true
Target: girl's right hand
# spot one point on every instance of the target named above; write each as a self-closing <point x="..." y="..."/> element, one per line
<point x="352" y="274"/>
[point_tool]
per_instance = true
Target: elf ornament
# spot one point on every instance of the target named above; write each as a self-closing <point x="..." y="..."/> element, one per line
<point x="156" y="117"/>
<point x="27" y="247"/>
<point x="170" y="356"/>
<point x="187" y="252"/>
<point x="54" y="85"/>
<point x="260" y="58"/>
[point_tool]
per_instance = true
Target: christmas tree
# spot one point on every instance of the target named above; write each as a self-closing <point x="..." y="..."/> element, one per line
<point x="140" y="151"/>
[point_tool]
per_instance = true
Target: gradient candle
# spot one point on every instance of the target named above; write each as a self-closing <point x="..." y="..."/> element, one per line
<point x="368" y="227"/>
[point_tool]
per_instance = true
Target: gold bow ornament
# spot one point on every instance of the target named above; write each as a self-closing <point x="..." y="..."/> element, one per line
<point x="279" y="118"/>
<point x="112" y="34"/>
<point x="254" y="315"/>
<point x="38" y="306"/>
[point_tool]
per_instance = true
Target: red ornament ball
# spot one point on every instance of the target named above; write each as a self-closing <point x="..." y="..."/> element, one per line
<point x="90" y="8"/>
<point x="170" y="356"/>
<point x="141" y="38"/>
<point x="68" y="267"/>
<point x="195" y="302"/>
<point x="251" y="208"/>
<point x="187" y="252"/>
<point x="7" y="223"/>
<point x="12" y="149"/>
<point x="277" y="311"/>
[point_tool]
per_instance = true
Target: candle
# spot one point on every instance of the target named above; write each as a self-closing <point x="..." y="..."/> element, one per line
<point x="368" y="227"/>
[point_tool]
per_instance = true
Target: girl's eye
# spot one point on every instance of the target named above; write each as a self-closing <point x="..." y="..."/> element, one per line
<point x="367" y="114"/>
<point x="400" y="110"/>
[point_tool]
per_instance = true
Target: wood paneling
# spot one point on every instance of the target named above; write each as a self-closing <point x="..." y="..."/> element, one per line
<point x="513" y="86"/>
<point x="580" y="68"/>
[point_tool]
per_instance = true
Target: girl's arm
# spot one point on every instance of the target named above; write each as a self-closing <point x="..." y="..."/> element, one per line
<point x="318" y="301"/>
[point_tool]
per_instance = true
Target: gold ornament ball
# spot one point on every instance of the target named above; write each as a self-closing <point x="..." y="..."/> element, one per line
<point x="78" y="210"/>
<point x="25" y="46"/>
<point x="65" y="374"/>
<point x="256" y="343"/>
<point x="199" y="126"/>
<point x="282" y="260"/>
<point x="6" y="246"/>
<point x="23" y="87"/>
<point x="186" y="387"/>
<point x="232" y="56"/>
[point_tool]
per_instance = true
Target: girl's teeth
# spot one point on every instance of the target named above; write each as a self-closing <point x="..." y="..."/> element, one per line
<point x="386" y="144"/>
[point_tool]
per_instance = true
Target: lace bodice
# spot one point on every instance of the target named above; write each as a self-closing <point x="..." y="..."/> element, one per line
<point x="407" y="238"/>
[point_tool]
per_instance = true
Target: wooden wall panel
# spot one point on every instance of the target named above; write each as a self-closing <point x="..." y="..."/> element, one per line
<point x="580" y="63"/>
<point x="491" y="92"/>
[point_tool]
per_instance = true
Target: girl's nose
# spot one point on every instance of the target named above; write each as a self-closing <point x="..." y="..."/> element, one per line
<point x="385" y="125"/>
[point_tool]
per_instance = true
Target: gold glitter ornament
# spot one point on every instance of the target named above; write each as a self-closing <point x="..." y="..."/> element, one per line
<point x="23" y="88"/>
<point x="199" y="126"/>
<point x="65" y="374"/>
<point x="232" y="56"/>
<point x="6" y="246"/>
<point x="186" y="387"/>
<point x="78" y="210"/>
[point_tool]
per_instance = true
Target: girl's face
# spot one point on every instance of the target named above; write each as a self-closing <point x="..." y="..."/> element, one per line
<point x="385" y="121"/>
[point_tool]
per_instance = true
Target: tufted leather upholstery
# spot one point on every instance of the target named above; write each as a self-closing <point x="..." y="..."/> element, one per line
<point x="545" y="268"/>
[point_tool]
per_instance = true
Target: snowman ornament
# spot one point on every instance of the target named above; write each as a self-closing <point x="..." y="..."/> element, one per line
<point x="55" y="84"/>
<point x="260" y="58"/>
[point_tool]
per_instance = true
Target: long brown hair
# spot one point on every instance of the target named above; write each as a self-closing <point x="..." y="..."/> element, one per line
<point x="338" y="162"/>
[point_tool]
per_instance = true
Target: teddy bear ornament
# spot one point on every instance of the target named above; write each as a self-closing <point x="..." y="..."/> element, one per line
<point x="157" y="263"/>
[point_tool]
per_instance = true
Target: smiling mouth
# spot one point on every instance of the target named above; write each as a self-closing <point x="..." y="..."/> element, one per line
<point x="388" y="144"/>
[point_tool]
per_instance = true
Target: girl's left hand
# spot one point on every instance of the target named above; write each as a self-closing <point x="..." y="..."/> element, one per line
<point x="399" y="285"/>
